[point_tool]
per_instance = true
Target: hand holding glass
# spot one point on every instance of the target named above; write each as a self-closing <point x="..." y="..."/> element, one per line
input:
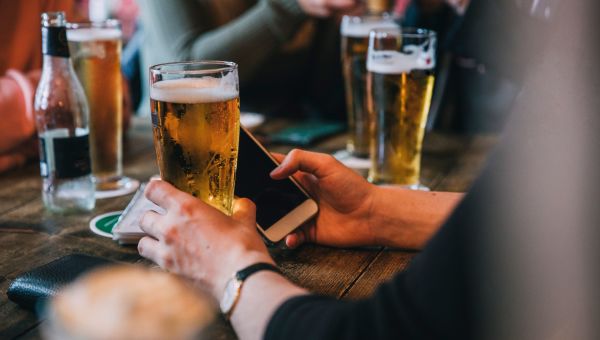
<point x="196" y="124"/>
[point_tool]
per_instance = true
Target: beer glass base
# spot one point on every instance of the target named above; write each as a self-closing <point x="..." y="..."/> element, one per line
<point x="351" y="161"/>
<point x="116" y="186"/>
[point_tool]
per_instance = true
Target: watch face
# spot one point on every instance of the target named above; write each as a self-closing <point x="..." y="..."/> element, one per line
<point x="230" y="295"/>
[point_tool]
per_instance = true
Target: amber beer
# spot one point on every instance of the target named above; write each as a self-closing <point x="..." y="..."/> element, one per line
<point x="379" y="6"/>
<point x="400" y="87"/>
<point x="96" y="54"/>
<point x="196" y="132"/>
<point x="355" y="40"/>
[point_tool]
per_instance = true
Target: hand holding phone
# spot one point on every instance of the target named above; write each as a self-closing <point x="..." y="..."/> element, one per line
<point x="281" y="205"/>
<point x="346" y="201"/>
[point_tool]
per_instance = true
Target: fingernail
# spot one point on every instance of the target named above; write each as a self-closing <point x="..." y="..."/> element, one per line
<point x="275" y="171"/>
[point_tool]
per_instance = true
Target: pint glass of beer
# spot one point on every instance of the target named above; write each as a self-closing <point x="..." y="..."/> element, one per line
<point x="379" y="6"/>
<point x="96" y="53"/>
<point x="399" y="86"/>
<point x="355" y="41"/>
<point x="195" y="109"/>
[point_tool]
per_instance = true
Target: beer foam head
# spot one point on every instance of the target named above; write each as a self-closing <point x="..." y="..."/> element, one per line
<point x="194" y="90"/>
<point x="93" y="34"/>
<point x="361" y="29"/>
<point x="394" y="62"/>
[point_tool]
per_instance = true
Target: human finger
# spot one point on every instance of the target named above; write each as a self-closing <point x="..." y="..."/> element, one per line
<point x="318" y="164"/>
<point x="279" y="157"/>
<point x="163" y="194"/>
<point x="244" y="211"/>
<point x="149" y="223"/>
<point x="294" y="240"/>
<point x="306" y="180"/>
<point x="149" y="248"/>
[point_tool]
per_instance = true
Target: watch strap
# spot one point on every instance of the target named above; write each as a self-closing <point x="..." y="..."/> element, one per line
<point x="240" y="277"/>
<point x="254" y="268"/>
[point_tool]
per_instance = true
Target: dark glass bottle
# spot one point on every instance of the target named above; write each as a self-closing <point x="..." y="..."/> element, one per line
<point x="62" y="119"/>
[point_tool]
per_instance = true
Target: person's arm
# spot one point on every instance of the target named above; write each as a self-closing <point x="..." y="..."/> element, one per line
<point x="353" y="212"/>
<point x="201" y="243"/>
<point x="187" y="29"/>
<point x="408" y="218"/>
<point x="16" y="110"/>
<point x="427" y="301"/>
<point x="18" y="122"/>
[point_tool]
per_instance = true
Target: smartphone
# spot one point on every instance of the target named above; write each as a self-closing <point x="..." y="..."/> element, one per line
<point x="281" y="205"/>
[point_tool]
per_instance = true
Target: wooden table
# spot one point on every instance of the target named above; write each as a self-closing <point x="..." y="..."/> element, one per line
<point x="30" y="236"/>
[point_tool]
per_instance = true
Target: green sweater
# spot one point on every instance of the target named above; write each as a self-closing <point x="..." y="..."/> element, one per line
<point x="288" y="63"/>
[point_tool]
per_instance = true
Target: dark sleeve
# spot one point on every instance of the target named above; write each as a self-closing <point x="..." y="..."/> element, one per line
<point x="504" y="35"/>
<point x="426" y="301"/>
<point x="185" y="30"/>
<point x="439" y="296"/>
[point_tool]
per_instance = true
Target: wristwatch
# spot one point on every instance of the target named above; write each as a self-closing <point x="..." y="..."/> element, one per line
<point x="233" y="287"/>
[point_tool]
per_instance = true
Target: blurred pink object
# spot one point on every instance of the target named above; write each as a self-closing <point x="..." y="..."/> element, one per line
<point x="16" y="110"/>
<point x="400" y="7"/>
<point x="127" y="12"/>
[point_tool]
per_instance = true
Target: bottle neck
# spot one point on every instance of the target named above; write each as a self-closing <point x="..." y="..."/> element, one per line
<point x="54" y="41"/>
<point x="51" y="62"/>
<point x="54" y="60"/>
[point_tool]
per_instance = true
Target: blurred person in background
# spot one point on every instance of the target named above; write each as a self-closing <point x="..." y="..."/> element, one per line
<point x="20" y="70"/>
<point x="474" y="89"/>
<point x="287" y="50"/>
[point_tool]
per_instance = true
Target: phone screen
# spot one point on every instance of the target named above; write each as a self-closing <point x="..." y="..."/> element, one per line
<point x="273" y="198"/>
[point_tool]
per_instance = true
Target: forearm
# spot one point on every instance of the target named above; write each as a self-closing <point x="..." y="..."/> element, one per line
<point x="261" y="295"/>
<point x="408" y="218"/>
<point x="247" y="40"/>
<point x="250" y="39"/>
<point x="16" y="104"/>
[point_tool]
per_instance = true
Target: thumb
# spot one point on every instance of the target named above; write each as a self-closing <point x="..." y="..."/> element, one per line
<point x="318" y="164"/>
<point x="244" y="211"/>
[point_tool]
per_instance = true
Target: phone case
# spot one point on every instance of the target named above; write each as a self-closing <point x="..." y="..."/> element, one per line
<point x="31" y="289"/>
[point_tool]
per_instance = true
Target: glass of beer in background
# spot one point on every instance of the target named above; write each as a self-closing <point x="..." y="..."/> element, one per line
<point x="196" y="122"/>
<point x="355" y="41"/>
<point x="399" y="86"/>
<point x="96" y="53"/>
<point x="379" y="6"/>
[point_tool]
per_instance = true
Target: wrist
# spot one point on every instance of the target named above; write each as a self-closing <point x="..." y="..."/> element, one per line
<point x="259" y="298"/>
<point x="382" y="215"/>
<point x="239" y="260"/>
<point x="235" y="285"/>
<point x="373" y="219"/>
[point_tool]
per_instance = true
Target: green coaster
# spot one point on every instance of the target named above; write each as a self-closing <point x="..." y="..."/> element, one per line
<point x="103" y="224"/>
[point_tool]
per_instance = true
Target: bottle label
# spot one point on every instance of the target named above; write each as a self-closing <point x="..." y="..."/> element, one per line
<point x="66" y="157"/>
<point x="54" y="41"/>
